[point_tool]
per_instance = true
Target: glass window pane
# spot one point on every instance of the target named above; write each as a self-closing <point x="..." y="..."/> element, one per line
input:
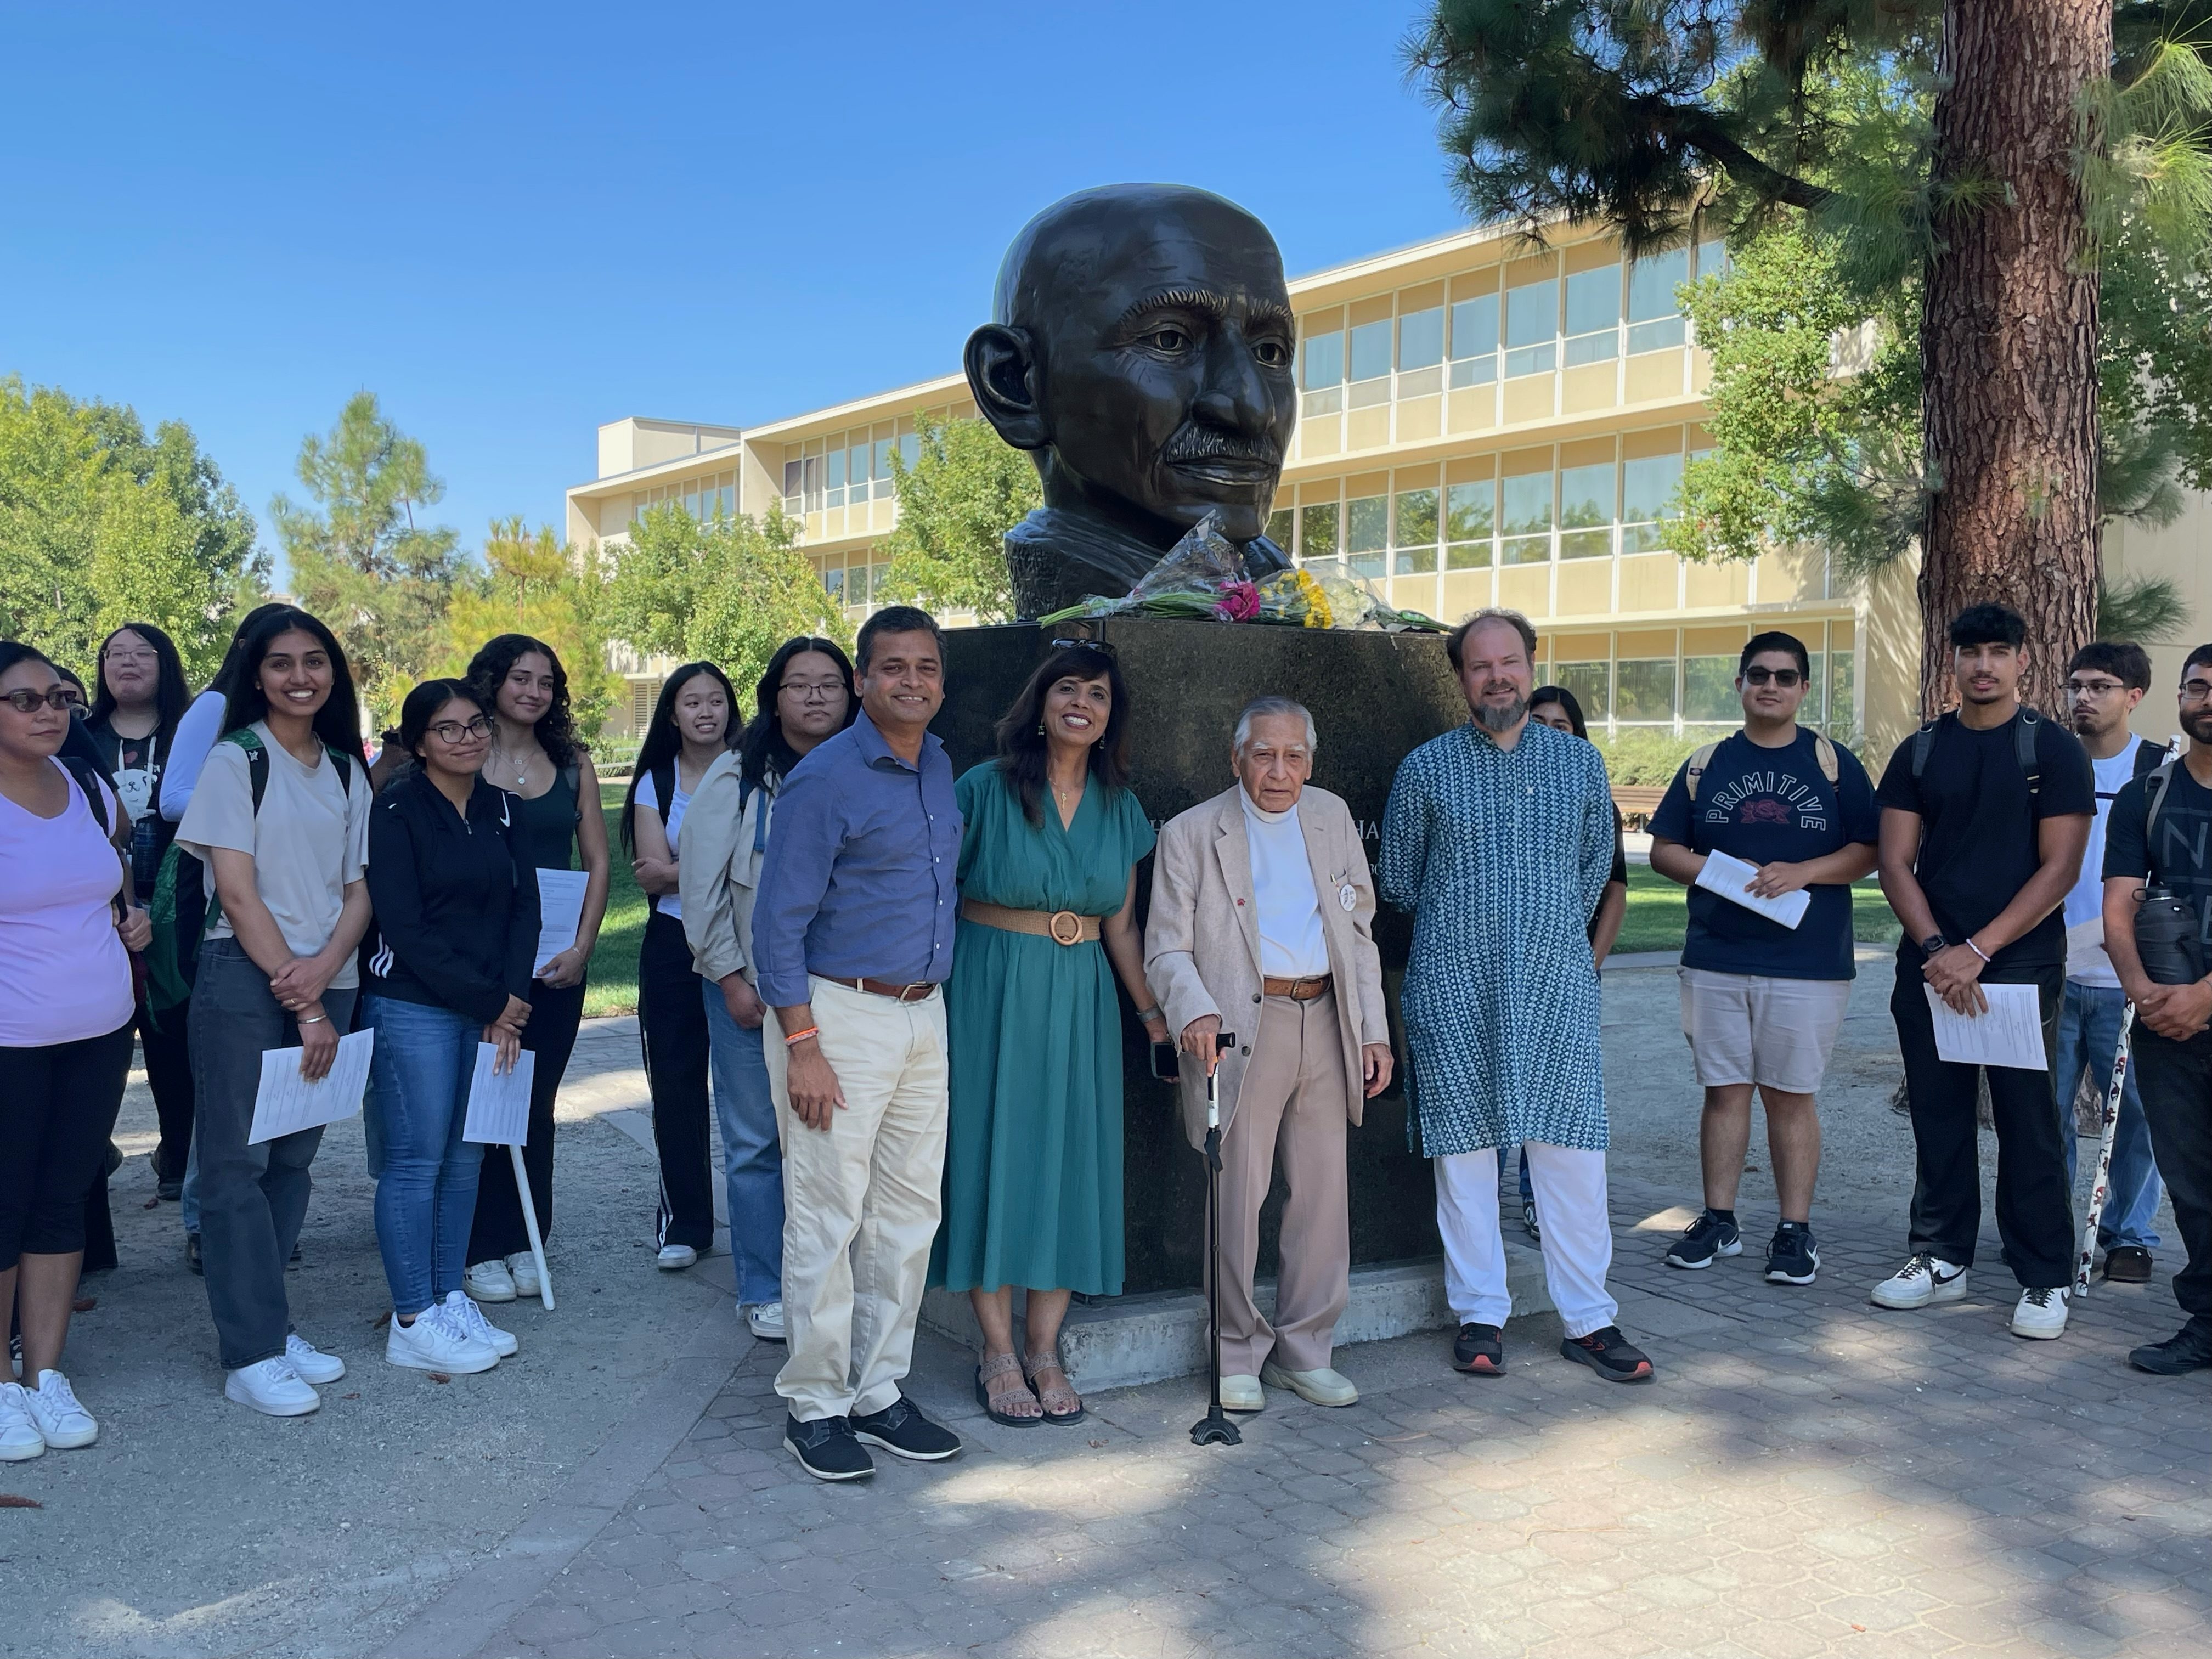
<point x="1531" y="360"/>
<point x="859" y="462"/>
<point x="1647" y="487"/>
<point x="1593" y="348"/>
<point x="1658" y="335"/>
<point x="1324" y="360"/>
<point x="791" y="477"/>
<point x="1317" y="530"/>
<point x="1469" y="510"/>
<point x="1279" y="528"/>
<point x="1532" y="312"/>
<point x="1709" y="689"/>
<point x="837" y="469"/>
<point x="1586" y="495"/>
<point x="1421" y="338"/>
<point x="1712" y="257"/>
<point x="1527" y="504"/>
<point x="834" y="580"/>
<point x="1843" y="688"/>
<point x="1594" y="299"/>
<point x="1367" y="525"/>
<point x="909" y="445"/>
<point x="1474" y="326"/>
<point x="1652" y="283"/>
<point x="1371" y="350"/>
<point x="1590" y="681"/>
<point x="1414" y="532"/>
<point x="1645" y="690"/>
<point x="883" y="460"/>
<point x="1475" y="371"/>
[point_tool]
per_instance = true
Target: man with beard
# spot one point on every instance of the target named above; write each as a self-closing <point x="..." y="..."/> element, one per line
<point x="1139" y="349"/>
<point x="1984" y="813"/>
<point x="1498" y="838"/>
<point x="2158" y="833"/>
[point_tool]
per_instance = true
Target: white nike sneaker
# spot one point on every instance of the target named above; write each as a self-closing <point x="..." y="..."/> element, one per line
<point x="273" y="1387"/>
<point x="464" y="1313"/>
<point x="1923" y="1279"/>
<point x="436" y="1342"/>
<point x="310" y="1362"/>
<point x="522" y="1268"/>
<point x="675" y="1258"/>
<point x="63" y="1423"/>
<point x="20" y="1438"/>
<point x="2041" y="1314"/>
<point x="765" y="1321"/>
<point x="490" y="1281"/>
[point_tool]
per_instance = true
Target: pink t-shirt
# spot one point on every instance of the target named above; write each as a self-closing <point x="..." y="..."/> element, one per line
<point x="65" y="974"/>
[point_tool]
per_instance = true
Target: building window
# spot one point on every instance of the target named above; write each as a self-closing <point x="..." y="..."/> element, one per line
<point x="1470" y="515"/>
<point x="1527" y="519"/>
<point x="1413" y="533"/>
<point x="1645" y="691"/>
<point x="833" y="583"/>
<point x="1280" y="530"/>
<point x="1586" y="511"/>
<point x="1323" y="373"/>
<point x="1709" y="689"/>
<point x="1647" y="487"/>
<point x="1475" y="341"/>
<point x="1532" y="325"/>
<point x="1591" y="683"/>
<point x="1655" y="321"/>
<point x="1317" y="532"/>
<point x="1367" y="534"/>
<point x="1593" y="315"/>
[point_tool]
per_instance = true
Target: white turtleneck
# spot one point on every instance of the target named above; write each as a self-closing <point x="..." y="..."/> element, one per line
<point x="1292" y="945"/>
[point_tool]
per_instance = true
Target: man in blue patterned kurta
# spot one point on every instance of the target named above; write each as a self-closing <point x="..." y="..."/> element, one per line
<point x="1498" y="838"/>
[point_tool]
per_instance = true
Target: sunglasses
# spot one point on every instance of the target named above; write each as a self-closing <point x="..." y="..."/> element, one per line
<point x="1103" y="648"/>
<point x="1784" y="678"/>
<point x="59" y="696"/>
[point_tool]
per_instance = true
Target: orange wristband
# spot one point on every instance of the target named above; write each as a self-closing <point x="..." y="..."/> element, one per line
<point x="801" y="1037"/>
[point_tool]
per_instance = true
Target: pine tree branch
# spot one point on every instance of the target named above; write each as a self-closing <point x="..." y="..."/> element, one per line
<point x="1706" y="135"/>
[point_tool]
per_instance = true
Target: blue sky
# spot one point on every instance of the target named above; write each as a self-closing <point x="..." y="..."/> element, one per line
<point x="513" y="222"/>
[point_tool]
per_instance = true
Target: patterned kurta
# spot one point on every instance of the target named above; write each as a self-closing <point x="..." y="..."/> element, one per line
<point x="1501" y="854"/>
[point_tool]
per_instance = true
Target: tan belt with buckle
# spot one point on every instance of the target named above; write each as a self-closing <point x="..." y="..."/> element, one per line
<point x="1298" y="990"/>
<point x="1060" y="926"/>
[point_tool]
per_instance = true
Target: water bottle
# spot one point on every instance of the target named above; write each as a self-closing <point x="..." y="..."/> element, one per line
<point x="2166" y="937"/>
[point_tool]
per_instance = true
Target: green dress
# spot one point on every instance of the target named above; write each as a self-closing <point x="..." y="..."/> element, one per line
<point x="1033" y="1153"/>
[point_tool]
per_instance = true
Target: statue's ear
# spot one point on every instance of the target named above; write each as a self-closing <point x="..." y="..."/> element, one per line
<point x="1001" y="363"/>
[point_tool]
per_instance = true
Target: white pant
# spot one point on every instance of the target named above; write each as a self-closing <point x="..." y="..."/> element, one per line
<point x="1571" y="1208"/>
<point x="861" y="1199"/>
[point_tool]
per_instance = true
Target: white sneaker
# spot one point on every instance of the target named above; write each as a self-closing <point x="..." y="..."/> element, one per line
<point x="466" y="1314"/>
<point x="523" y="1268"/>
<point x="64" y="1424"/>
<point x="1323" y="1386"/>
<point x="19" y="1433"/>
<point x="490" y="1281"/>
<point x="674" y="1258"/>
<point x="272" y="1387"/>
<point x="1922" y="1280"/>
<point x="310" y="1362"/>
<point x="2041" y="1314"/>
<point x="765" y="1321"/>
<point x="435" y="1343"/>
<point x="1242" y="1393"/>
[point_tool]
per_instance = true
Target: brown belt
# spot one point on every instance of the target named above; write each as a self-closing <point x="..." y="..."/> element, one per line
<point x="1060" y="926"/>
<point x="1298" y="990"/>
<point x="883" y="987"/>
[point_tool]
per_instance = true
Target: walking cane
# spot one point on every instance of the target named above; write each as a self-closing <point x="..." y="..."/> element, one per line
<point x="2098" y="1187"/>
<point x="1214" y="1428"/>
<point x="530" y="1222"/>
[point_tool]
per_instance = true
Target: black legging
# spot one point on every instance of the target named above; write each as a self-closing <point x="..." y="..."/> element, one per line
<point x="169" y="1055"/>
<point x="672" y="1021"/>
<point x="499" y="1231"/>
<point x="57" y="1111"/>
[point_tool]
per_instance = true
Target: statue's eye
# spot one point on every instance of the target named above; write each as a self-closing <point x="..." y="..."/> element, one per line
<point x="1168" y="337"/>
<point x="1274" y="354"/>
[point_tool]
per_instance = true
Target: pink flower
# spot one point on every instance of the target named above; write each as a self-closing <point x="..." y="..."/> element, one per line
<point x="1239" y="602"/>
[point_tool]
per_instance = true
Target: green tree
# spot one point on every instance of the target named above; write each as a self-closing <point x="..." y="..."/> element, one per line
<point x="728" y="590"/>
<point x="538" y="585"/>
<point x="358" y="558"/>
<point x="965" y="490"/>
<point x="99" y="525"/>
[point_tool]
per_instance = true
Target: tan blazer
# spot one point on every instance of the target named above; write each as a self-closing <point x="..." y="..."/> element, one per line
<point x="1202" y="941"/>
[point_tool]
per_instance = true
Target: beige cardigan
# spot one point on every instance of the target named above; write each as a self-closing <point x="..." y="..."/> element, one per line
<point x="717" y="871"/>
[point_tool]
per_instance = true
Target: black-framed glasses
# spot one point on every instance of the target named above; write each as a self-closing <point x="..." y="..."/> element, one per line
<point x="812" y="691"/>
<point x="136" y="654"/>
<point x="456" y="730"/>
<point x="58" y="697"/>
<point x="2093" y="688"/>
<point x="2192" y="691"/>
<point x="1784" y="678"/>
<point x="1103" y="648"/>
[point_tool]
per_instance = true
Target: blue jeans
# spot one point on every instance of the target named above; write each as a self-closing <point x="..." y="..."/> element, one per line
<point x="425" y="1197"/>
<point x="2088" y="1037"/>
<point x="752" y="1157"/>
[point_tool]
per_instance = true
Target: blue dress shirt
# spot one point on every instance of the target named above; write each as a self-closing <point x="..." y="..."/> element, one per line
<point x="860" y="879"/>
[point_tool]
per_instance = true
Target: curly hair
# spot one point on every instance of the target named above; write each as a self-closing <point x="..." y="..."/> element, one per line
<point x="556" y="726"/>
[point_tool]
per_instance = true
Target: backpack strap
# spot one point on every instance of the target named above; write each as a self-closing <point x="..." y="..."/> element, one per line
<point x="573" y="777"/>
<point x="88" y="780"/>
<point x="1694" y="772"/>
<point x="257" y="763"/>
<point x="2149" y="757"/>
<point x="664" y="789"/>
<point x="2023" y="749"/>
<point x="1923" y="745"/>
<point x="1825" y="752"/>
<point x="2156" y="782"/>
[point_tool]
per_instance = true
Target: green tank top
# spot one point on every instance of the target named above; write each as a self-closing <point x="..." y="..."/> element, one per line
<point x="545" y="829"/>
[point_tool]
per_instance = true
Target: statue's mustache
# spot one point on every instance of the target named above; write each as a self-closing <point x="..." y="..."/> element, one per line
<point x="1194" y="440"/>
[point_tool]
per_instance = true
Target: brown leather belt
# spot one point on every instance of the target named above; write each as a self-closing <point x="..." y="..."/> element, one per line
<point x="883" y="987"/>
<point x="1060" y="926"/>
<point x="1298" y="990"/>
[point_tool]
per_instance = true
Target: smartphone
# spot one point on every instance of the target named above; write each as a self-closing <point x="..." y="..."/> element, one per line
<point x="1166" y="1062"/>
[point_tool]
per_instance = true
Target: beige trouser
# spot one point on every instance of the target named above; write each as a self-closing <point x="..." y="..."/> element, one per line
<point x="860" y="1200"/>
<point x="1292" y="1105"/>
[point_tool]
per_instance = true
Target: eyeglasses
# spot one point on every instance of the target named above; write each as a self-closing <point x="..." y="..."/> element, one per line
<point x="811" y="690"/>
<point x="2093" y="688"/>
<point x="455" y="731"/>
<point x="1103" y="648"/>
<point x="141" y="655"/>
<point x="2192" y="691"/>
<point x="59" y="696"/>
<point x="1784" y="678"/>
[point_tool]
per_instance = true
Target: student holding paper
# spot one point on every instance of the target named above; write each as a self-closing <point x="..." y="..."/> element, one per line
<point x="457" y="920"/>
<point x="1984" y="813"/>
<point x="1763" y="998"/>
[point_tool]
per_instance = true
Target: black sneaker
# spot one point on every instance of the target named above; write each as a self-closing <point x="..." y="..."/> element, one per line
<point x="901" y="1430"/>
<point x="1610" y="1354"/>
<point x="1704" y="1239"/>
<point x="1794" y="1257"/>
<point x="2189" y="1349"/>
<point x="826" y="1450"/>
<point x="192" y="1254"/>
<point x="1479" y="1350"/>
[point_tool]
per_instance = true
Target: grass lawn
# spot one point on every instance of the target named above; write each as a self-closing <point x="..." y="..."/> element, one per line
<point x="613" y="985"/>
<point x="1658" y="915"/>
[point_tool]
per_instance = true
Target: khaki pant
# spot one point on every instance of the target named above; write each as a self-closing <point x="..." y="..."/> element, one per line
<point x="861" y="1200"/>
<point x="1292" y="1105"/>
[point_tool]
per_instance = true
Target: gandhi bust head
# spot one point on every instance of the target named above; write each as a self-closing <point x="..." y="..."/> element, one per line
<point x="1141" y="350"/>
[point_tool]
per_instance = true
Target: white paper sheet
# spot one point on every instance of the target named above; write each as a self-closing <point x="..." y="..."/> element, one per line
<point x="1728" y="877"/>
<point x="560" y="912"/>
<point x="2010" y="1034"/>
<point x="287" y="1103"/>
<point x="498" y="1102"/>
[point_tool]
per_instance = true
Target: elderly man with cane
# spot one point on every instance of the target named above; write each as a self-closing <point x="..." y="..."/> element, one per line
<point x="1262" y="901"/>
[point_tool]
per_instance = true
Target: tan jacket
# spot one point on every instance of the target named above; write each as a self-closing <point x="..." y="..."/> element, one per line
<point x="1202" y="942"/>
<point x="718" y="868"/>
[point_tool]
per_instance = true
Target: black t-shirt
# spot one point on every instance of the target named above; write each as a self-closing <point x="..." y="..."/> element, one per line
<point x="2182" y="858"/>
<point x="1764" y="806"/>
<point x="1979" y="828"/>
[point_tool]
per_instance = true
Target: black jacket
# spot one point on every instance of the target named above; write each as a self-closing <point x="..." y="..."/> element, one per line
<point x="456" y="911"/>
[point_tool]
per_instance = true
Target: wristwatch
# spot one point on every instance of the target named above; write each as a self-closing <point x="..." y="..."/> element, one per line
<point x="1932" y="944"/>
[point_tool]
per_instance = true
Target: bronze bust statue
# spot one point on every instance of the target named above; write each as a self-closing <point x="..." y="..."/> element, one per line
<point x="1140" y="350"/>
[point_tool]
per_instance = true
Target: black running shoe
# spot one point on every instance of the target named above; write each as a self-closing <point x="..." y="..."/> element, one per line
<point x="826" y="1449"/>
<point x="1610" y="1354"/>
<point x="1479" y="1350"/>
<point x="192" y="1254"/>
<point x="901" y="1430"/>
<point x="1704" y="1239"/>
<point x="2189" y="1349"/>
<point x="1794" y="1257"/>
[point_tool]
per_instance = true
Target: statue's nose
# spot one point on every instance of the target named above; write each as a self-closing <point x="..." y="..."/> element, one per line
<point x="1235" y="395"/>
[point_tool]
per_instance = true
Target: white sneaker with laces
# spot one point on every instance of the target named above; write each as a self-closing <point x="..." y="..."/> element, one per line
<point x="464" y="1313"/>
<point x="310" y="1362"/>
<point x="20" y="1438"/>
<point x="490" y="1281"/>
<point x="63" y="1423"/>
<point x="523" y="1268"/>
<point x="674" y="1258"/>
<point x="272" y="1387"/>
<point x="765" y="1321"/>
<point x="434" y="1342"/>
<point x="2041" y="1314"/>
<point x="1923" y="1279"/>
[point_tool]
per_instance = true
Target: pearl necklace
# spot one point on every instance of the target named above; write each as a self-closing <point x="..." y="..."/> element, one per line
<point x="521" y="768"/>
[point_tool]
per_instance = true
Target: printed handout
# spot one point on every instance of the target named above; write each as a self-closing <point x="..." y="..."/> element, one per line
<point x="560" y="912"/>
<point x="2010" y="1034"/>
<point x="287" y="1103"/>
<point x="1728" y="877"/>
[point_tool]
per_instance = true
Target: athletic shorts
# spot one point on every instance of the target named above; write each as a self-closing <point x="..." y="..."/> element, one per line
<point x="1745" y="1027"/>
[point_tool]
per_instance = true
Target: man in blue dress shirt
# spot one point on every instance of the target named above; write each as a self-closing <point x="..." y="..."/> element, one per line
<point x="853" y="938"/>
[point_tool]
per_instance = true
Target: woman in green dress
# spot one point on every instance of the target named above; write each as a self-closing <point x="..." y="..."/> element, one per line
<point x="1033" y="1155"/>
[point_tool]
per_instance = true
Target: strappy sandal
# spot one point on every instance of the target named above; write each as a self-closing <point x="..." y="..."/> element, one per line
<point x="989" y="1371"/>
<point x="1064" y="1397"/>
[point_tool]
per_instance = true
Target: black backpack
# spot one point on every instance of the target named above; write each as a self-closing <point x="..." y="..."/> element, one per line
<point x="2023" y="748"/>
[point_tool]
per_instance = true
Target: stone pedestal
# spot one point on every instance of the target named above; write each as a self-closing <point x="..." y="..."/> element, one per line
<point x="1374" y="697"/>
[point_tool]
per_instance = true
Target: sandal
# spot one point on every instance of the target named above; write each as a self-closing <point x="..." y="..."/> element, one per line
<point x="1062" y="1404"/>
<point x="988" y="1372"/>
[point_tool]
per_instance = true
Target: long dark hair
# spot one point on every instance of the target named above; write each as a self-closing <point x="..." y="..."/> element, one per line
<point x="172" y="696"/>
<point x="663" y="742"/>
<point x="556" y="726"/>
<point x="337" y="722"/>
<point x="763" y="751"/>
<point x="1566" y="699"/>
<point x="422" y="705"/>
<point x="1021" y="746"/>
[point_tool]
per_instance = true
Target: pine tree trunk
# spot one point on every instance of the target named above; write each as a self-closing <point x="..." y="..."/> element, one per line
<point x="2009" y="339"/>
